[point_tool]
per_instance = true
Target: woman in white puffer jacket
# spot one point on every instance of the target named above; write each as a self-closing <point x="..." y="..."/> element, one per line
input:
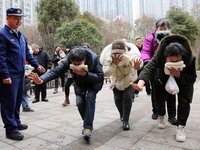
<point x="120" y="61"/>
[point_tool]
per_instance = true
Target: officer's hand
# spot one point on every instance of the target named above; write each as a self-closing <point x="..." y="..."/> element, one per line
<point x="7" y="81"/>
<point x="34" y="76"/>
<point x="41" y="69"/>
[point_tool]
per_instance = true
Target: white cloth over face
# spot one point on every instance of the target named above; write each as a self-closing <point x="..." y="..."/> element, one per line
<point x="177" y="65"/>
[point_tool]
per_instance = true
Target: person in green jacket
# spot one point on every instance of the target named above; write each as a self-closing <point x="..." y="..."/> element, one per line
<point x="174" y="59"/>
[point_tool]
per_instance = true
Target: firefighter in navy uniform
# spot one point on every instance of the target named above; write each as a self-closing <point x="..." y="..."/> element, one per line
<point x="13" y="54"/>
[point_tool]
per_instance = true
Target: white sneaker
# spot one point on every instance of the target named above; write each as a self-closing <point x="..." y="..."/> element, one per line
<point x="161" y="122"/>
<point x="180" y="134"/>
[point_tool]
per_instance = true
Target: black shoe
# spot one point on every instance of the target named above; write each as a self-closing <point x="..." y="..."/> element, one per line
<point x="22" y="127"/>
<point x="154" y="116"/>
<point x="173" y="121"/>
<point x="55" y="91"/>
<point x="126" y="125"/>
<point x="15" y="136"/>
<point x="149" y="94"/>
<point x="121" y="119"/>
<point x="35" y="101"/>
<point x="45" y="100"/>
<point x="27" y="109"/>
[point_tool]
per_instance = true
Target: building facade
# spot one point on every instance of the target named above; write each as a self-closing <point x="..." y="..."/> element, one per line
<point x="108" y="9"/>
<point x="159" y="8"/>
<point x="27" y="6"/>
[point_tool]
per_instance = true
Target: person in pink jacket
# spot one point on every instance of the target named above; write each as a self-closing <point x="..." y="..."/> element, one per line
<point x="150" y="46"/>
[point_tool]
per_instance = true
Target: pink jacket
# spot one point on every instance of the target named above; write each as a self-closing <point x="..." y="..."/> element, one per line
<point x="149" y="47"/>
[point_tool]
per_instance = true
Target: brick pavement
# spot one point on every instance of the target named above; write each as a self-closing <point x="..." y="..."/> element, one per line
<point x="52" y="127"/>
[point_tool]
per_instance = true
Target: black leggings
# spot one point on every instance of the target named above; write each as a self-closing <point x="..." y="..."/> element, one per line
<point x="67" y="86"/>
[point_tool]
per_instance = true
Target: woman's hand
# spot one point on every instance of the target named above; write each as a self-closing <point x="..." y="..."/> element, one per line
<point x="139" y="85"/>
<point x="174" y="72"/>
<point x="34" y="76"/>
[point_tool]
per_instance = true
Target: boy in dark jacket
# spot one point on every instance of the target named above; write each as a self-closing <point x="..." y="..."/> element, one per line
<point x="88" y="78"/>
<point x="173" y="49"/>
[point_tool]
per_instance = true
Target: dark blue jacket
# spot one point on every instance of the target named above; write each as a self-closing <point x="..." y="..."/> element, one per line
<point x="93" y="79"/>
<point x="13" y="53"/>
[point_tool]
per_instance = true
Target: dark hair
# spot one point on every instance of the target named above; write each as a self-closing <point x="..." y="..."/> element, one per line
<point x="77" y="54"/>
<point x="175" y="49"/>
<point x="58" y="52"/>
<point x="57" y="46"/>
<point x="138" y="39"/>
<point x="162" y="22"/>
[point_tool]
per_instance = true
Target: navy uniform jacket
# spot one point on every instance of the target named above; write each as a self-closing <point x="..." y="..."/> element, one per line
<point x="14" y="53"/>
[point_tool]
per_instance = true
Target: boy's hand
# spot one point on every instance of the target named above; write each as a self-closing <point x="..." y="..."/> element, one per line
<point x="34" y="76"/>
<point x="81" y="72"/>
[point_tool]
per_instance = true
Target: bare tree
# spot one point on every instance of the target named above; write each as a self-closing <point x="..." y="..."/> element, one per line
<point x="116" y="29"/>
<point x="32" y="35"/>
<point x="144" y="26"/>
<point x="195" y="13"/>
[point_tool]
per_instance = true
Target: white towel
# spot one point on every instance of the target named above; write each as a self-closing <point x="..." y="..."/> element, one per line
<point x="79" y="67"/>
<point x="177" y="65"/>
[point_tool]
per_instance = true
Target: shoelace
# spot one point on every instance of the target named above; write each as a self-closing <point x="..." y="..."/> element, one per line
<point x="180" y="131"/>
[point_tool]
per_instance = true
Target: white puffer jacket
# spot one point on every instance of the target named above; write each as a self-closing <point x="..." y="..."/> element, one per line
<point x="124" y="73"/>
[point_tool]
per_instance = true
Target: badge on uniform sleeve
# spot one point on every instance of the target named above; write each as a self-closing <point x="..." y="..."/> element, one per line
<point x="12" y="40"/>
<point x="23" y="40"/>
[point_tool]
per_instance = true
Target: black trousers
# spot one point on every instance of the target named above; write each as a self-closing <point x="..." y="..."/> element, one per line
<point x="170" y="100"/>
<point x="67" y="86"/>
<point x="123" y="101"/>
<point x="40" y="88"/>
<point x="184" y="100"/>
<point x="62" y="77"/>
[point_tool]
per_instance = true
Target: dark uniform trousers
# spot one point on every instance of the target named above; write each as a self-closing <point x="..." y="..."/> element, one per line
<point x="11" y="102"/>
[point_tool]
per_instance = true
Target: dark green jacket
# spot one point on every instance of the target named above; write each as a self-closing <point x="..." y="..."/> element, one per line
<point x="154" y="70"/>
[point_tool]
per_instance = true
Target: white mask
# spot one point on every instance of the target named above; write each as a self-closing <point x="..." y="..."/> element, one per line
<point x="62" y="55"/>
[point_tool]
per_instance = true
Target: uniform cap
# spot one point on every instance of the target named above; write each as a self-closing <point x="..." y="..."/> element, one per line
<point x="14" y="12"/>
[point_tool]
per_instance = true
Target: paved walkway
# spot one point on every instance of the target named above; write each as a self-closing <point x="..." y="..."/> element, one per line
<point x="52" y="127"/>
